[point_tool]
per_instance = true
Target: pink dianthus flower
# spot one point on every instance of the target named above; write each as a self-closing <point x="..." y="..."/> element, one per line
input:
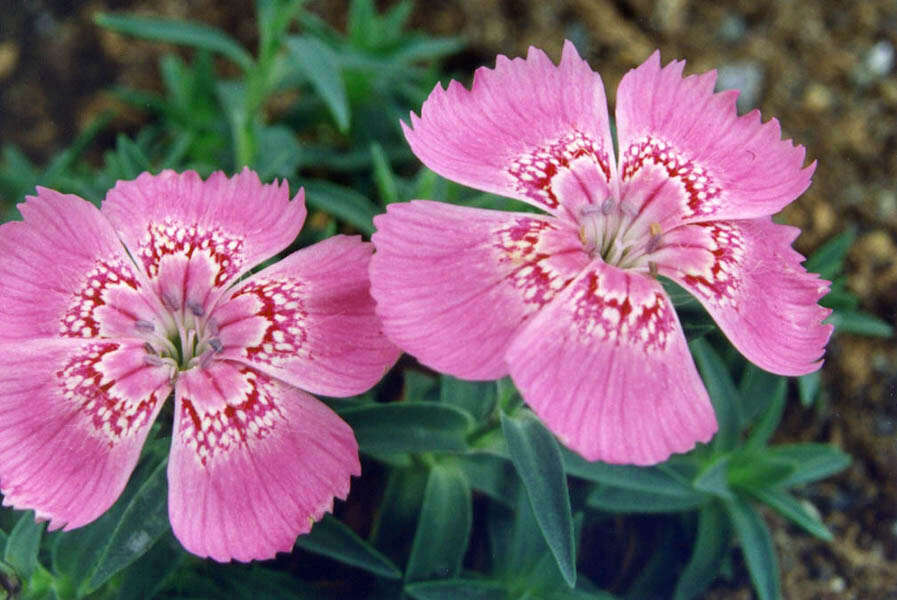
<point x="103" y="313"/>
<point x="567" y="302"/>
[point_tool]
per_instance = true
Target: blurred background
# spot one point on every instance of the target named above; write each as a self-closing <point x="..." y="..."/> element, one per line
<point x="825" y="70"/>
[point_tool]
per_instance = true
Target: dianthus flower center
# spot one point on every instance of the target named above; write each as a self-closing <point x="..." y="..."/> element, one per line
<point x="189" y="338"/>
<point x="609" y="232"/>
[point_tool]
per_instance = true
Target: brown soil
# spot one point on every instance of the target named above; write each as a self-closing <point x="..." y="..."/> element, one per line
<point x="825" y="70"/>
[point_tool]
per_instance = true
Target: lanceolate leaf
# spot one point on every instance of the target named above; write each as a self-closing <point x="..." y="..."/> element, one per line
<point x="319" y="64"/>
<point x="23" y="544"/>
<point x="811" y="461"/>
<point x="787" y="506"/>
<point x="443" y="528"/>
<point x="335" y="540"/>
<point x="452" y="589"/>
<point x="723" y="393"/>
<point x="614" y="499"/>
<point x="756" y="544"/>
<point x="197" y="35"/>
<point x="341" y="202"/>
<point x="537" y="458"/>
<point x="408" y="427"/>
<point x="710" y="548"/>
<point x="143" y="521"/>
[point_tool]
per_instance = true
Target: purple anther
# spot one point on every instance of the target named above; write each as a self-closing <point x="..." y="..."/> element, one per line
<point x="196" y="308"/>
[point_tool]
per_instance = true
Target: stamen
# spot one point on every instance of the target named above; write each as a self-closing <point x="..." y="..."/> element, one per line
<point x="144" y="326"/>
<point x="149" y="348"/>
<point x="652" y="269"/>
<point x="607" y="205"/>
<point x="216" y="344"/>
<point x="169" y="302"/>
<point x="654" y="240"/>
<point x="153" y="360"/>
<point x="196" y="308"/>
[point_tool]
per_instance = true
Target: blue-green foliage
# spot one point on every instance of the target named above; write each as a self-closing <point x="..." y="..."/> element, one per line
<point x="466" y="493"/>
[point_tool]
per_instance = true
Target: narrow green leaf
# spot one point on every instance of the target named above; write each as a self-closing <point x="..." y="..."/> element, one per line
<point x="769" y="420"/>
<point x="714" y="479"/>
<point x="490" y="474"/>
<point x="320" y="65"/>
<point x="64" y="160"/>
<point x="476" y="397"/>
<point x="759" y="389"/>
<point x="453" y="589"/>
<point x="811" y="461"/>
<point x="655" y="480"/>
<point x="341" y="202"/>
<point x="723" y="393"/>
<point x="408" y="427"/>
<point x="23" y="544"/>
<point x="860" y="323"/>
<point x="753" y="469"/>
<point x="829" y="258"/>
<point x="143" y="522"/>
<point x="330" y="537"/>
<point x="399" y="511"/>
<point x="787" y="506"/>
<point x="177" y="31"/>
<point x="808" y="387"/>
<point x="279" y="152"/>
<point x="131" y="159"/>
<point x="443" y="529"/>
<point x="709" y="550"/>
<point x="426" y="48"/>
<point x="75" y="554"/>
<point x="420" y="387"/>
<point x="384" y="177"/>
<point x="756" y="544"/>
<point x="147" y="577"/>
<point x="537" y="458"/>
<point x="363" y="26"/>
<point x="622" y="500"/>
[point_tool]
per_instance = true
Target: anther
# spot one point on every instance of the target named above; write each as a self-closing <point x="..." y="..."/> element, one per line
<point x="654" y="241"/>
<point x="153" y="360"/>
<point x="144" y="326"/>
<point x="169" y="301"/>
<point x="149" y="348"/>
<point x="652" y="269"/>
<point x="196" y="308"/>
<point x="607" y="205"/>
<point x="216" y="344"/>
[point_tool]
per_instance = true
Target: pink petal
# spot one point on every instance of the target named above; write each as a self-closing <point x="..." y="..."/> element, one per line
<point x="73" y="417"/>
<point x="521" y="131"/>
<point x="309" y="320"/>
<point x="724" y="166"/>
<point x="63" y="272"/>
<point x="750" y="280"/>
<point x="606" y="367"/>
<point x="254" y="463"/>
<point x="195" y="235"/>
<point x="454" y="284"/>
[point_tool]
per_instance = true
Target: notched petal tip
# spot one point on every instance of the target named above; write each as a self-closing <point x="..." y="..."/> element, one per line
<point x="254" y="463"/>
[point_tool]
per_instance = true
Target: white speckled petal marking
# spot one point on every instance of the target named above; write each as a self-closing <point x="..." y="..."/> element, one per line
<point x="170" y="237"/>
<point x="100" y="284"/>
<point x="246" y="415"/>
<point x="281" y="307"/>
<point x="535" y="171"/>
<point x="116" y="390"/>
